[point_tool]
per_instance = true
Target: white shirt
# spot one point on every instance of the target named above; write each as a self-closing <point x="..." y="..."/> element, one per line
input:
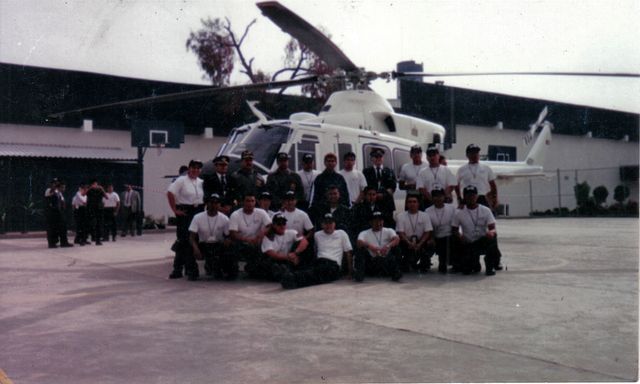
<point x="298" y="220"/>
<point x="332" y="246"/>
<point x="307" y="181"/>
<point x="355" y="183"/>
<point x="187" y="191"/>
<point x="473" y="222"/>
<point x="280" y="243"/>
<point x="409" y="172"/>
<point x="111" y="201"/>
<point x="249" y="225"/>
<point x="379" y="238"/>
<point x="440" y="175"/>
<point x="413" y="225"/>
<point x="79" y="200"/>
<point x="210" y="229"/>
<point x="477" y="175"/>
<point x="441" y="219"/>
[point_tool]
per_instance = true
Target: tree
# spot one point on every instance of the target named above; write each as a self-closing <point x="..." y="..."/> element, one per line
<point x="583" y="200"/>
<point x="217" y="46"/>
<point x="620" y="193"/>
<point x="600" y="194"/>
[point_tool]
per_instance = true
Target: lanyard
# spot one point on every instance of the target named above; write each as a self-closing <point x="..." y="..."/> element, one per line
<point x="215" y="221"/>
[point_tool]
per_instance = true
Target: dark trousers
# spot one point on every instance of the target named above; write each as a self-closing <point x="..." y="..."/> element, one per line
<point x="365" y="264"/>
<point x="80" y="218"/>
<point x="470" y="255"/>
<point x="52" y="219"/>
<point x="131" y="218"/>
<point x="445" y="248"/>
<point x="184" y="253"/>
<point x="110" y="227"/>
<point x="319" y="271"/>
<point x="219" y="261"/>
<point x="95" y="219"/>
<point x="419" y="259"/>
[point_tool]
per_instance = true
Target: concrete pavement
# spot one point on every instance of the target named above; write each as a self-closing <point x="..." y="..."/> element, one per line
<point x="565" y="310"/>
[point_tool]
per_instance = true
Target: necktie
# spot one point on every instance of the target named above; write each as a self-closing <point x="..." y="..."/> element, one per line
<point x="378" y="173"/>
<point x="223" y="182"/>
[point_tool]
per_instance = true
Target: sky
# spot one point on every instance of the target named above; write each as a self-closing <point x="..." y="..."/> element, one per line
<point x="146" y="39"/>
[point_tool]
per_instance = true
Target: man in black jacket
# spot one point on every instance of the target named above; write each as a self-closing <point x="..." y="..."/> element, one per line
<point x="380" y="177"/>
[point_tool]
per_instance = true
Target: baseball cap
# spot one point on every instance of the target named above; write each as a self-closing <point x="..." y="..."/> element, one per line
<point x="472" y="148"/>
<point x="195" y="163"/>
<point x="279" y="219"/>
<point x="246" y="155"/>
<point x="470" y="189"/>
<point x="282" y="156"/>
<point x="307" y="157"/>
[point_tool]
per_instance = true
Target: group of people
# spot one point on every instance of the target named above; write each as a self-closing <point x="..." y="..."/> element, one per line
<point x="95" y="212"/>
<point x="309" y="227"/>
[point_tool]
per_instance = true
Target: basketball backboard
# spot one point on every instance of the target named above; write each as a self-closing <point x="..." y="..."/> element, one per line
<point x="153" y="133"/>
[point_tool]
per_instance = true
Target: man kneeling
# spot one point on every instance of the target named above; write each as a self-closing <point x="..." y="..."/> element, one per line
<point x="208" y="235"/>
<point x="281" y="248"/>
<point x="377" y="251"/>
<point x="331" y="246"/>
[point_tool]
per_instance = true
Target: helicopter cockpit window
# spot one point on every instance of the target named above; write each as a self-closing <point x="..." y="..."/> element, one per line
<point x="264" y="141"/>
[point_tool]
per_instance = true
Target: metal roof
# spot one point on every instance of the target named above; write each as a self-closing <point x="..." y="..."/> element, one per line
<point x="66" y="151"/>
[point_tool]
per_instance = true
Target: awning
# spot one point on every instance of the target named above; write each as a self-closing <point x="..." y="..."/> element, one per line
<point x="66" y="151"/>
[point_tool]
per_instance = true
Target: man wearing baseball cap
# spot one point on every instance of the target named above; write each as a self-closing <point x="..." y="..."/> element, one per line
<point x="282" y="250"/>
<point x="441" y="215"/>
<point x="247" y="179"/>
<point x="283" y="180"/>
<point x="408" y="176"/>
<point x="478" y="234"/>
<point x="219" y="182"/>
<point x="435" y="174"/>
<point x="377" y="253"/>
<point x="479" y="175"/>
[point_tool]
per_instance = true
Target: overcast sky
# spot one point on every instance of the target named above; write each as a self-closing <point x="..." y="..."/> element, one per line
<point x="146" y="39"/>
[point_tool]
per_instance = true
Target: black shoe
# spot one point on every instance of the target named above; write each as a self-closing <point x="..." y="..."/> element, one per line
<point x="442" y="271"/>
<point x="53" y="246"/>
<point x="66" y="245"/>
<point x="278" y="271"/>
<point x="98" y="243"/>
<point x="175" y="275"/>
<point x="192" y="277"/>
<point x="114" y="238"/>
<point x="288" y="281"/>
<point x="358" y="276"/>
<point x="499" y="267"/>
<point x="123" y="234"/>
<point x="490" y="272"/>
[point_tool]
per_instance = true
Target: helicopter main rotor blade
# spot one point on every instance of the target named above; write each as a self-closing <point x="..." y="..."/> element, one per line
<point x="191" y="94"/>
<point x="395" y="75"/>
<point x="307" y="35"/>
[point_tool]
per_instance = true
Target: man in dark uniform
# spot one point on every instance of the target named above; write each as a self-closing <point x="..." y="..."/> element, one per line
<point x="381" y="178"/>
<point x="329" y="177"/>
<point x="62" y="217"/>
<point x="51" y="212"/>
<point x="247" y="179"/>
<point x="283" y="180"/>
<point x="95" y="208"/>
<point x="362" y="211"/>
<point x="332" y="204"/>
<point x="219" y="182"/>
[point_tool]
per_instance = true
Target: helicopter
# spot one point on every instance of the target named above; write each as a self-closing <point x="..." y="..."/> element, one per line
<point x="354" y="119"/>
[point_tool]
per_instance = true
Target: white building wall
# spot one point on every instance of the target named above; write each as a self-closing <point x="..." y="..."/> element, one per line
<point x="156" y="165"/>
<point x="595" y="161"/>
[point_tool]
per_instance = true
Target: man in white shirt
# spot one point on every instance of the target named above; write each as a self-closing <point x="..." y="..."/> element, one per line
<point x="480" y="176"/>
<point x="332" y="246"/>
<point x="377" y="253"/>
<point x="478" y="234"/>
<point x="111" y="202"/>
<point x="296" y="218"/>
<point x="441" y="215"/>
<point x="247" y="227"/>
<point x="282" y="249"/>
<point x="185" y="196"/>
<point x="408" y="176"/>
<point x="435" y="175"/>
<point x="355" y="180"/>
<point x="208" y="235"/>
<point x="308" y="176"/>
<point x="414" y="228"/>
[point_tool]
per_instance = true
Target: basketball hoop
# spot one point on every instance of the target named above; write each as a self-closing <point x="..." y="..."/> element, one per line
<point x="159" y="147"/>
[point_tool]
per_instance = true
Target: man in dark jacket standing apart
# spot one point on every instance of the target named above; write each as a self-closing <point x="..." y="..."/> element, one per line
<point x="329" y="177"/>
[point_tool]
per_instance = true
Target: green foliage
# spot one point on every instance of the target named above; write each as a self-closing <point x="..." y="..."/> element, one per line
<point x="600" y="194"/>
<point x="620" y="193"/>
<point x="581" y="191"/>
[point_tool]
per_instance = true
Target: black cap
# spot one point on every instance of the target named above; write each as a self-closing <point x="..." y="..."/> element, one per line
<point x="416" y="149"/>
<point x="377" y="215"/>
<point x="221" y="160"/>
<point x="265" y="195"/>
<point x="246" y="155"/>
<point x="307" y="157"/>
<point x="214" y="197"/>
<point x="289" y="195"/>
<point x="282" y="156"/>
<point x="432" y="148"/>
<point x="377" y="152"/>
<point x="472" y="148"/>
<point x="437" y="190"/>
<point x="279" y="219"/>
<point x="328" y="217"/>
<point x="54" y="180"/>
<point x="195" y="163"/>
<point x="470" y="189"/>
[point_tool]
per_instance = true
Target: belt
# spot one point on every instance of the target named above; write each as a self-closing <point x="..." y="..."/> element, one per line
<point x="187" y="206"/>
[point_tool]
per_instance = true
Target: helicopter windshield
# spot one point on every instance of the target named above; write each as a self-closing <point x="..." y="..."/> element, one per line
<point x="264" y="141"/>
